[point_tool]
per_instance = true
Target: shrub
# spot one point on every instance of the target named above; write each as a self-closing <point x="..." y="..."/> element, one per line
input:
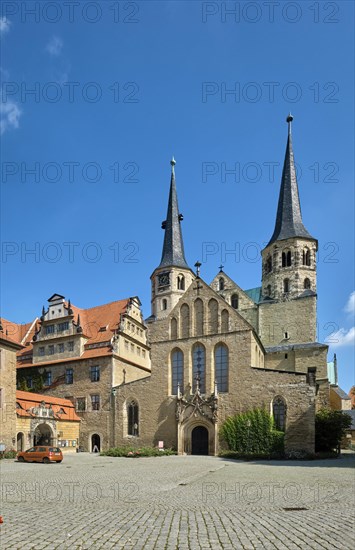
<point x="134" y="452"/>
<point x="9" y="453"/>
<point x="331" y="427"/>
<point x="253" y="434"/>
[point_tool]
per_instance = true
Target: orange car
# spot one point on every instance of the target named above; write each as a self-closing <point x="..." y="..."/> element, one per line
<point x="41" y="454"/>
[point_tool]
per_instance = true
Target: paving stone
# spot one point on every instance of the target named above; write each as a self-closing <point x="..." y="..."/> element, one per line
<point x="93" y="502"/>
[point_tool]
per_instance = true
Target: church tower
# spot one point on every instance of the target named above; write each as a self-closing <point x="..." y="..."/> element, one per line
<point x="289" y="262"/>
<point x="173" y="276"/>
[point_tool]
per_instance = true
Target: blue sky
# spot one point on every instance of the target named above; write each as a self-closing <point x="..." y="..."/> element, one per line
<point x="120" y="87"/>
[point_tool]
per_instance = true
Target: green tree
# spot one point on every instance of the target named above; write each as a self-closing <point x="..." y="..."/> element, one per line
<point x="252" y="433"/>
<point x="331" y="427"/>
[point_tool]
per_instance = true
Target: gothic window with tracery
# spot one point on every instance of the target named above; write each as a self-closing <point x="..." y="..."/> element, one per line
<point x="279" y="413"/>
<point x="177" y="371"/>
<point x="199" y="367"/>
<point x="221" y="367"/>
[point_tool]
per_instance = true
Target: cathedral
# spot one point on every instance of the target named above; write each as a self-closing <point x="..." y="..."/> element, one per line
<point x="217" y="350"/>
<point x="207" y="351"/>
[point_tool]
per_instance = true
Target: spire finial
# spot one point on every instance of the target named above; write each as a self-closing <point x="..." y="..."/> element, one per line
<point x="289" y="119"/>
<point x="172" y="163"/>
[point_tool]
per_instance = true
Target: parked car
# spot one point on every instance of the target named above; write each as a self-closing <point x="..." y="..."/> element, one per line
<point x="41" y="454"/>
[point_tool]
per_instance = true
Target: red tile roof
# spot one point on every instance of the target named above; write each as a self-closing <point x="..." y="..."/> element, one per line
<point x="26" y="400"/>
<point x="15" y="333"/>
<point x="99" y="324"/>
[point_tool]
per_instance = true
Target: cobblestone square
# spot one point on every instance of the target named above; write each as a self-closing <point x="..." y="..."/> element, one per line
<point x="185" y="502"/>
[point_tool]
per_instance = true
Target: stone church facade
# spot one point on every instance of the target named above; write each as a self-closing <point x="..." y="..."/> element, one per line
<point x="206" y="352"/>
<point x="217" y="349"/>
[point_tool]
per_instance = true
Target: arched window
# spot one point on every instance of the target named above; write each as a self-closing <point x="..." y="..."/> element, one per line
<point x="177" y="371"/>
<point x="133" y="418"/>
<point x="221" y="367"/>
<point x="198" y="307"/>
<point x="213" y="316"/>
<point x="306" y="257"/>
<point x="286" y="259"/>
<point x="279" y="413"/>
<point x="221" y="283"/>
<point x="199" y="367"/>
<point x="184" y="321"/>
<point x="307" y="284"/>
<point x="173" y="329"/>
<point x="268" y="290"/>
<point x="225" y="321"/>
<point x="268" y="264"/>
<point x="181" y="282"/>
<point x="286" y="285"/>
<point x="164" y="304"/>
<point x="235" y="301"/>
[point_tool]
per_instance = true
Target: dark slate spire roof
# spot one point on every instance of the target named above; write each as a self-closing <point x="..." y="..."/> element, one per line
<point x="289" y="218"/>
<point x="173" y="248"/>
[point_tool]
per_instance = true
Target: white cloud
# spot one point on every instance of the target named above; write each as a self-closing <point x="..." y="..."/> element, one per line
<point x="54" y="46"/>
<point x="342" y="337"/>
<point x="4" y="25"/>
<point x="9" y="115"/>
<point x="350" y="306"/>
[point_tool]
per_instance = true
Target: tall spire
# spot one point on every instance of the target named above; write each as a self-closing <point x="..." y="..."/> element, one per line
<point x="173" y="248"/>
<point x="289" y="218"/>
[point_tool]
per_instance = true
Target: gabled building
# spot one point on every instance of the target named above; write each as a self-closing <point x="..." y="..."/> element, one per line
<point x="45" y="420"/>
<point x="217" y="349"/>
<point x="80" y="354"/>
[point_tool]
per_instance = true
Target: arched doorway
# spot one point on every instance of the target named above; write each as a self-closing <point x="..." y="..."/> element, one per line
<point x="199" y="441"/>
<point x="95" y="443"/>
<point x="20" y="441"/>
<point x="42" y="435"/>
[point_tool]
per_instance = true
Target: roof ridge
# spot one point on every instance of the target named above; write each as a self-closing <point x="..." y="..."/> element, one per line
<point x="102" y="305"/>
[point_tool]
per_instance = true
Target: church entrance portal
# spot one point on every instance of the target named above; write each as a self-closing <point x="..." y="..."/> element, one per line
<point x="199" y="441"/>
